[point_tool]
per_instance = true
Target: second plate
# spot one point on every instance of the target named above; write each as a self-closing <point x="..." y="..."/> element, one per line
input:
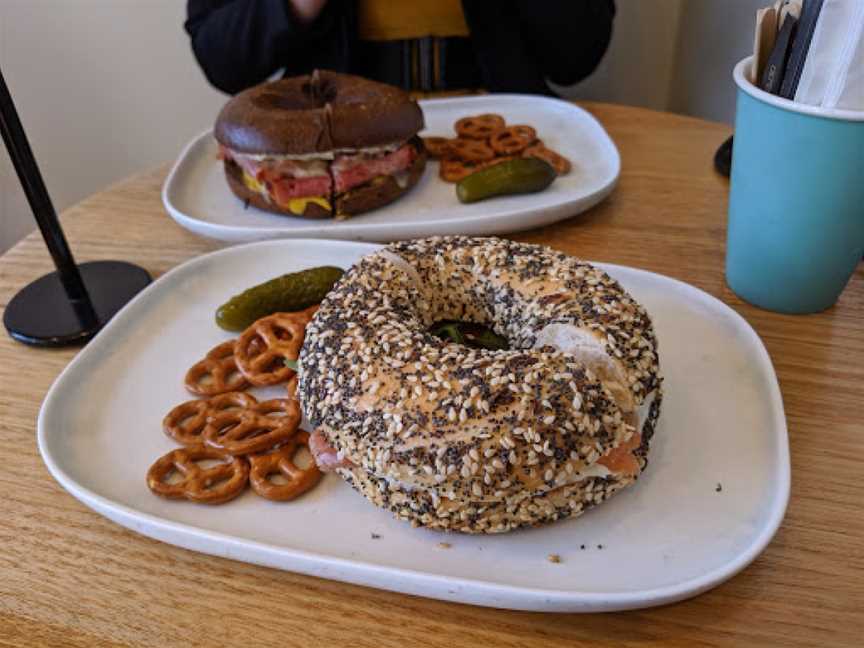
<point x="197" y="196"/>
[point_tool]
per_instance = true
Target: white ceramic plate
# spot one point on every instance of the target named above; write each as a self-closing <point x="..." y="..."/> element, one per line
<point x="197" y="197"/>
<point x="668" y="537"/>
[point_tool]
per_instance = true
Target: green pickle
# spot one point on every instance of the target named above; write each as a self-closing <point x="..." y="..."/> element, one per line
<point x="288" y="293"/>
<point x="522" y="175"/>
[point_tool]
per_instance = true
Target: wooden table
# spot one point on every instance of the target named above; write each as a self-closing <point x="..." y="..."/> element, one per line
<point x="69" y="577"/>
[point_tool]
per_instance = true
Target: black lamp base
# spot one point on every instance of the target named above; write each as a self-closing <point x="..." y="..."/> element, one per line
<point x="723" y="158"/>
<point x="42" y="314"/>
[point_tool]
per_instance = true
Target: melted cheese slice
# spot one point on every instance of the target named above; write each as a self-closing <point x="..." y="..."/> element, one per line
<point x="295" y="205"/>
<point x="298" y="205"/>
<point x="253" y="185"/>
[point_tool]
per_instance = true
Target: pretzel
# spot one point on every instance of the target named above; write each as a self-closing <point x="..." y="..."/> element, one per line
<point x="512" y="139"/>
<point x="281" y="461"/>
<point x="186" y="422"/>
<point x="217" y="373"/>
<point x="437" y="147"/>
<point x="453" y="170"/>
<point x="259" y="428"/>
<point x="471" y="150"/>
<point x="262" y="349"/>
<point x="291" y="387"/>
<point x="560" y="163"/>
<point x="278" y="408"/>
<point x="479" y="126"/>
<point x="213" y="485"/>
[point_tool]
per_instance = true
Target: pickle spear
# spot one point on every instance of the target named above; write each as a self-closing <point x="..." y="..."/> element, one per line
<point x="288" y="293"/>
<point x="522" y="175"/>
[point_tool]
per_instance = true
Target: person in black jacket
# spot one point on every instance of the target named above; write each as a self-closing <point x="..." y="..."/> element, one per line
<point x="502" y="46"/>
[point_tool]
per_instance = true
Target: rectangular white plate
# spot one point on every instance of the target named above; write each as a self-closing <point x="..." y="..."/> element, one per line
<point x="669" y="536"/>
<point x="197" y="196"/>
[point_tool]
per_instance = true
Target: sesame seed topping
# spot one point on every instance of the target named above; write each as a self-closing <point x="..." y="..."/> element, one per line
<point x="366" y="353"/>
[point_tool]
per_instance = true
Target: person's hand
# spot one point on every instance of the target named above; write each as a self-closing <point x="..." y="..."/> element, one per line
<point x="307" y="10"/>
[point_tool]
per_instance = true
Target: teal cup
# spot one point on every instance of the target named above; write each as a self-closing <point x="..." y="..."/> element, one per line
<point x="796" y="202"/>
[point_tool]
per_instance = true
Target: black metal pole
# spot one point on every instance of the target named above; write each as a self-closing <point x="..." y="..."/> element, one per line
<point x="40" y="202"/>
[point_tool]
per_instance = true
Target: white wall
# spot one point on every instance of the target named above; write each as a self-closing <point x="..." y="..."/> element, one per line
<point x="675" y="55"/>
<point x="637" y="69"/>
<point x="713" y="36"/>
<point x="104" y="88"/>
<point x="109" y="87"/>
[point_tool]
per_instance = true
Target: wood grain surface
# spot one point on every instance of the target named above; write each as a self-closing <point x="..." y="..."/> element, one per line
<point x="69" y="577"/>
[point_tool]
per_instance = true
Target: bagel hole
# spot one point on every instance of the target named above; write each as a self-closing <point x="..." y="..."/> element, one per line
<point x="320" y="91"/>
<point x="469" y="334"/>
<point x="273" y="101"/>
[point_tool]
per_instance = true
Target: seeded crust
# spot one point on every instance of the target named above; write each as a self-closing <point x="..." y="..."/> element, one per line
<point x="423" y="508"/>
<point x="473" y="440"/>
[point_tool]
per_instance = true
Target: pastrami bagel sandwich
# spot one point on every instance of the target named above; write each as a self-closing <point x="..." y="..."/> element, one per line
<point x="321" y="145"/>
<point x="479" y="440"/>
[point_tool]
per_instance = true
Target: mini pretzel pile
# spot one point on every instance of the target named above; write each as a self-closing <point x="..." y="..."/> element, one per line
<point x="229" y="439"/>
<point x="485" y="140"/>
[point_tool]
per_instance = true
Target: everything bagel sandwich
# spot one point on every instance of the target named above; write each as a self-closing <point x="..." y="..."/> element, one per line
<point x="480" y="440"/>
<point x="321" y="145"/>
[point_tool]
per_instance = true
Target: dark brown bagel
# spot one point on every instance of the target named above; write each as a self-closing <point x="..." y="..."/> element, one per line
<point x="381" y="190"/>
<point x="317" y="113"/>
<point x="234" y="175"/>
